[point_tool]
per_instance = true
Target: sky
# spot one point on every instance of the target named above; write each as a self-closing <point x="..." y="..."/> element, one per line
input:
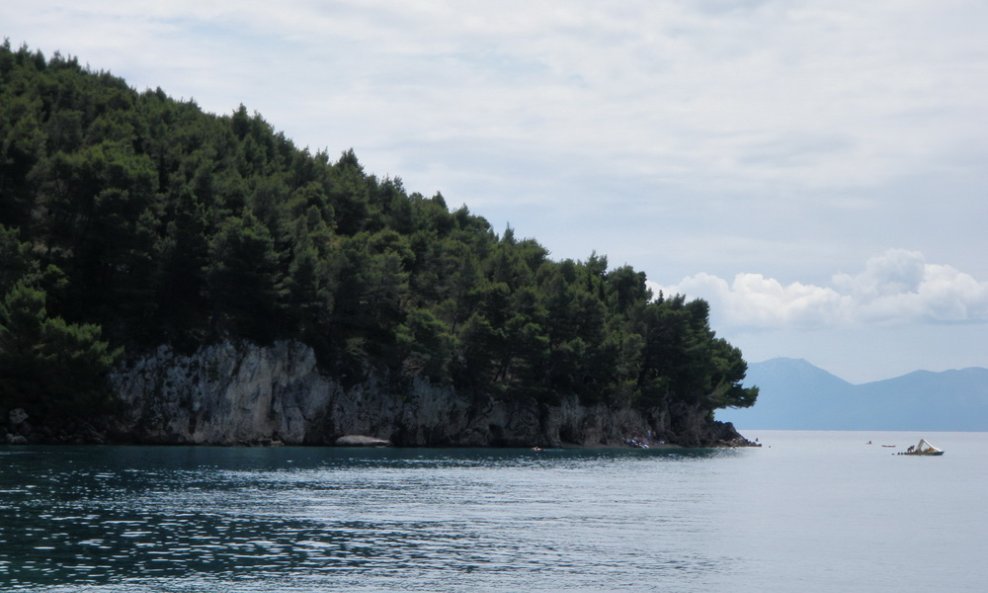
<point x="815" y="169"/>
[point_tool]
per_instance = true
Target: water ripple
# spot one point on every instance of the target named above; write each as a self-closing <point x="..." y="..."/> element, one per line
<point x="175" y="520"/>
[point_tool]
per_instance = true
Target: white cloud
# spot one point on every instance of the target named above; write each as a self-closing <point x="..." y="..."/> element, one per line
<point x="792" y="138"/>
<point x="716" y="122"/>
<point x="896" y="287"/>
<point x="900" y="285"/>
<point x="717" y="94"/>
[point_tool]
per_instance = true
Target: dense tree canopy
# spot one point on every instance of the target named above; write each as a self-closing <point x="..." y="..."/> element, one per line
<point x="128" y="220"/>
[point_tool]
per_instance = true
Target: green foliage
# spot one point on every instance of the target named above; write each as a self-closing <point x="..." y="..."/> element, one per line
<point x="427" y="346"/>
<point x="51" y="368"/>
<point x="16" y="261"/>
<point x="244" y="280"/>
<point x="159" y="223"/>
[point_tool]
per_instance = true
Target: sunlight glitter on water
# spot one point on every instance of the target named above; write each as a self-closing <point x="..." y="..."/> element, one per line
<point x="179" y="519"/>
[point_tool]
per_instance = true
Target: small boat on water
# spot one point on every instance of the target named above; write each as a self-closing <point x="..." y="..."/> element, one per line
<point x="922" y="448"/>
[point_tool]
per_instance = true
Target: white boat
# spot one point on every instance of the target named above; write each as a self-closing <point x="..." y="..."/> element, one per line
<point x="922" y="448"/>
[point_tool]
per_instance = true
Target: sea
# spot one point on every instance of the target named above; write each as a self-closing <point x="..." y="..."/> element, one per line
<point x="806" y="512"/>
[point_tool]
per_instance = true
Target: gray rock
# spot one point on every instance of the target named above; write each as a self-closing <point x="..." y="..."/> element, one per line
<point x="356" y="440"/>
<point x="16" y="439"/>
<point x="224" y="394"/>
<point x="241" y="393"/>
<point x="16" y="416"/>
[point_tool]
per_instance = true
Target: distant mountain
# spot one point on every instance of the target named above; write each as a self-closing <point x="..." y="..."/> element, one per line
<point x="796" y="395"/>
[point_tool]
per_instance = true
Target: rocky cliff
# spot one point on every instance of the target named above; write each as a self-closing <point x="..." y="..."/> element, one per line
<point x="241" y="393"/>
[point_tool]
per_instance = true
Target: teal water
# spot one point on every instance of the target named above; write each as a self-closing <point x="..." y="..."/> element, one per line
<point x="808" y="512"/>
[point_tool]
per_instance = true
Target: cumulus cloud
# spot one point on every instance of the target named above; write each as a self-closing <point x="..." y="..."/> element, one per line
<point x="901" y="285"/>
<point x="896" y="287"/>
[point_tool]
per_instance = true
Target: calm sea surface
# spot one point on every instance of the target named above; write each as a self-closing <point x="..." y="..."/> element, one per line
<point x="808" y="512"/>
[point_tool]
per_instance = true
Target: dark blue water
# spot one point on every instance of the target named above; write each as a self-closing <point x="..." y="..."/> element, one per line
<point x="807" y="512"/>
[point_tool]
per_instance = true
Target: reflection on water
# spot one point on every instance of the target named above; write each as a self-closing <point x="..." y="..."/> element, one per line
<point x="809" y="512"/>
<point x="314" y="519"/>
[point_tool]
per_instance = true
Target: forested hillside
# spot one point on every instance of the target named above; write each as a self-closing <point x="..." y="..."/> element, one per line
<point x="130" y="220"/>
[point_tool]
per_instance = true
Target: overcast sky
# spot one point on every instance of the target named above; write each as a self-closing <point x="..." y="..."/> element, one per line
<point x="815" y="169"/>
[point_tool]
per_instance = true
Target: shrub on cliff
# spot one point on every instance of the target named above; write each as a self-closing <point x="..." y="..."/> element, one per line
<point x="53" y="369"/>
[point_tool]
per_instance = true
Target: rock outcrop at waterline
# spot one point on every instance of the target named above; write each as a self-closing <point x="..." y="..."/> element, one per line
<point x="247" y="394"/>
<point x="241" y="393"/>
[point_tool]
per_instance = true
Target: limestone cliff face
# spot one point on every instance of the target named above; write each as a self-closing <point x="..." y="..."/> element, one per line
<point x="223" y="393"/>
<point x="243" y="393"/>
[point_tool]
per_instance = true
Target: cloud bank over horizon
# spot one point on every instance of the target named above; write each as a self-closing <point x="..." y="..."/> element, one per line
<point x="897" y="287"/>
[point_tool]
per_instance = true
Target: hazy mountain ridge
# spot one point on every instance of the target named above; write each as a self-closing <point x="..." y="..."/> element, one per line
<point x="795" y="394"/>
